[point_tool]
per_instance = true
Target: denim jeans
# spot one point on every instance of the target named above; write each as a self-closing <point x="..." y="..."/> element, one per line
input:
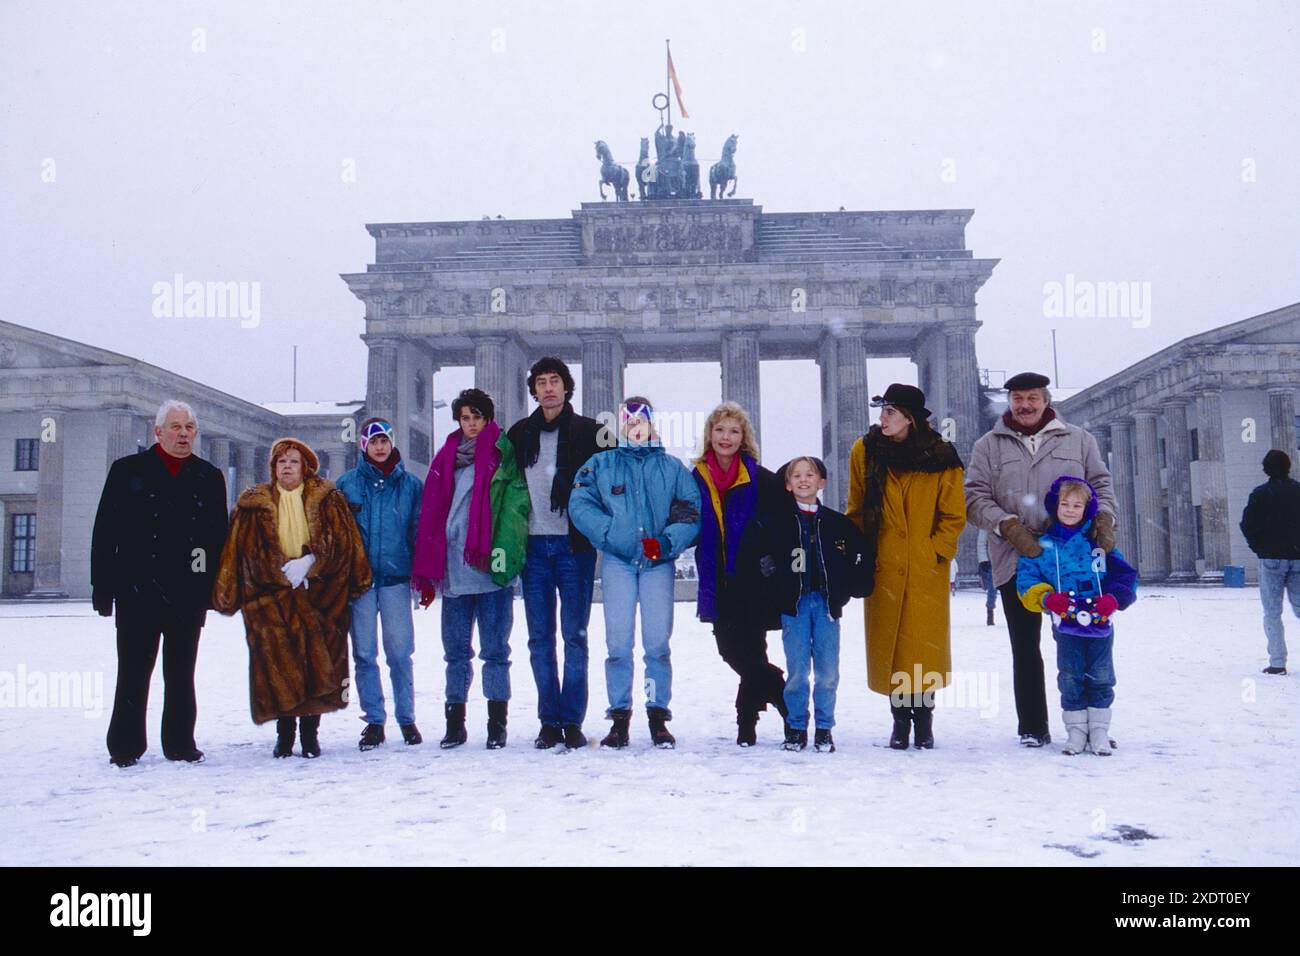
<point x="390" y="606"/>
<point x="624" y="586"/>
<point x="811" y="637"/>
<point x="1275" y="576"/>
<point x="494" y="611"/>
<point x="1085" y="671"/>
<point x="551" y="567"/>
<point x="986" y="582"/>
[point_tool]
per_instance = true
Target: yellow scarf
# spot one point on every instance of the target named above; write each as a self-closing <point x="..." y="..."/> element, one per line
<point x="291" y="522"/>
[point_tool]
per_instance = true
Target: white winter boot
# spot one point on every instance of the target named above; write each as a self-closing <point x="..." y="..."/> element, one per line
<point x="1099" y="730"/>
<point x="1076" y="724"/>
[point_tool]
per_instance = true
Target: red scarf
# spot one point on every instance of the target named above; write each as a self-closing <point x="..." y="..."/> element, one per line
<point x="429" y="566"/>
<point x="722" y="480"/>
<point x="1010" y="421"/>
<point x="171" y="461"/>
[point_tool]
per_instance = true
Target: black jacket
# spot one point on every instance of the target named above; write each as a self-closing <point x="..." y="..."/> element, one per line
<point x="1271" y="521"/>
<point x="158" y="537"/>
<point x="584" y="441"/>
<point x="772" y="544"/>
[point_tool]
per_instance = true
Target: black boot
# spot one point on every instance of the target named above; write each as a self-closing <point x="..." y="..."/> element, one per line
<point x="747" y="729"/>
<point x="617" y="737"/>
<point x="286" y="728"/>
<point x="496" y="729"/>
<point x="659" y="734"/>
<point x="795" y="739"/>
<point x="548" y="737"/>
<point x="574" y="738"/>
<point x="411" y="735"/>
<point x="990" y="620"/>
<point x="371" y="737"/>
<point x="823" y="741"/>
<point x="310" y="742"/>
<point x="923" y="727"/>
<point x="902" y="724"/>
<point x="456" y="733"/>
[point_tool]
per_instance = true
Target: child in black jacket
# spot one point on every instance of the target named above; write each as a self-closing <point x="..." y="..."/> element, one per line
<point x="810" y="559"/>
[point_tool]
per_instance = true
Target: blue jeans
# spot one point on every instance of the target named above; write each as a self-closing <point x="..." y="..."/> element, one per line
<point x="986" y="581"/>
<point x="392" y="607"/>
<point x="550" y="567"/>
<point x="1085" y="671"/>
<point x="1275" y="576"/>
<point x="623" y="587"/>
<point x="495" y="613"/>
<point x="811" y="637"/>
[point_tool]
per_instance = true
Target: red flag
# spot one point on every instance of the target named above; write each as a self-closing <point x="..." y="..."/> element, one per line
<point x="677" y="87"/>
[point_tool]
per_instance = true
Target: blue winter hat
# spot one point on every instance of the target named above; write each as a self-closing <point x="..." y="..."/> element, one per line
<point x="1052" y="498"/>
<point x="372" y="428"/>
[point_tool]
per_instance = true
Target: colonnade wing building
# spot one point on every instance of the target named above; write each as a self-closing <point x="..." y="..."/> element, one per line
<point x="676" y="281"/>
<point x="69" y="410"/>
<point x="1186" y="430"/>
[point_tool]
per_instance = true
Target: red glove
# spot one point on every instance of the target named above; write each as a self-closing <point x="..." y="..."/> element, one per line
<point x="427" y="594"/>
<point x="1106" y="605"/>
<point x="650" y="547"/>
<point x="1057" y="603"/>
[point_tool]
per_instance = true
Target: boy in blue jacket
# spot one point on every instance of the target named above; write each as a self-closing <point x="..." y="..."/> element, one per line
<point x="1082" y="587"/>
<point x="640" y="507"/>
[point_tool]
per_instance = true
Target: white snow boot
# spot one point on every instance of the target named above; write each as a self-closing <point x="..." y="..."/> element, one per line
<point x="1099" y="730"/>
<point x="1076" y="724"/>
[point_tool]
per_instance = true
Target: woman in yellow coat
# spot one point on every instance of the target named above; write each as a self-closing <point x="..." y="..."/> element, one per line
<point x="905" y="493"/>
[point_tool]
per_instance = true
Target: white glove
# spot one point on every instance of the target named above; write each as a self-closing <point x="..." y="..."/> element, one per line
<point x="296" y="570"/>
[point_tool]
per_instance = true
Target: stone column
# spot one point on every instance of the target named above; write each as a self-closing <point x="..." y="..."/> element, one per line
<point x="48" y="581"/>
<point x="603" y="363"/>
<point x="498" y="370"/>
<point x="845" y="395"/>
<point x="740" y="374"/>
<point x="930" y="353"/>
<point x="1215" y="530"/>
<point x="381" y="379"/>
<point x="1122" y="482"/>
<point x="245" y="471"/>
<point x="960" y="401"/>
<point x="1281" y="418"/>
<point x="1152" y="533"/>
<point x="222" y="456"/>
<point x="122" y="438"/>
<point x="1182" y="516"/>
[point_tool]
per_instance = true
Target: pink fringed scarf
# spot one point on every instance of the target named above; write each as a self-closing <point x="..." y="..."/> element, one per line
<point x="430" y="565"/>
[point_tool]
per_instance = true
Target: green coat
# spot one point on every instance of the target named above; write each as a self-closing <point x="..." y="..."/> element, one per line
<point x="511" y="505"/>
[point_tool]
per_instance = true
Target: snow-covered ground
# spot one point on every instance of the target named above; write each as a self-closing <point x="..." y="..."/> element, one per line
<point x="1206" y="770"/>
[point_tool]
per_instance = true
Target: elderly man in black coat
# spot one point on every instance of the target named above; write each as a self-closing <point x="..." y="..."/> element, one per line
<point x="154" y="553"/>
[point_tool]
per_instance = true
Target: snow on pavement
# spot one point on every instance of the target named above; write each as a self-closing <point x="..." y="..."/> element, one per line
<point x="1205" y="773"/>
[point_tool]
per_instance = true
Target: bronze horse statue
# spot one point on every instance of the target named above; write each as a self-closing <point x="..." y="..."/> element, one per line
<point x="611" y="173"/>
<point x="724" y="170"/>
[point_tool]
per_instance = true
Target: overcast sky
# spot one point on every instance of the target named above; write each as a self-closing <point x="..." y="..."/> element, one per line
<point x="1112" y="142"/>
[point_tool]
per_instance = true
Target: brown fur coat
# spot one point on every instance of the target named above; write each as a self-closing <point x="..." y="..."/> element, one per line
<point x="297" y="638"/>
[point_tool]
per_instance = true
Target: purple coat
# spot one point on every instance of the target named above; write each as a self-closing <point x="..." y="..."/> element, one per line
<point x="723" y="590"/>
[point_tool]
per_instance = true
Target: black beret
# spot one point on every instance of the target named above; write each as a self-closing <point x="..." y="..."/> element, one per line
<point x="1026" y="380"/>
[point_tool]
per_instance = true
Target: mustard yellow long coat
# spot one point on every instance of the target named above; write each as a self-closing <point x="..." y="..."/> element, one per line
<point x="908" y="640"/>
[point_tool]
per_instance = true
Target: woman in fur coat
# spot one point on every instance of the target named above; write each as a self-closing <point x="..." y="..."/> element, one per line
<point x="292" y="562"/>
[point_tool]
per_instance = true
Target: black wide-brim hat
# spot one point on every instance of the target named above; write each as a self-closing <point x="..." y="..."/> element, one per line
<point x="907" y="397"/>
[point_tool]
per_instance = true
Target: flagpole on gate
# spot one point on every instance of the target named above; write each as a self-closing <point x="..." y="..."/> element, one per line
<point x="668" y="81"/>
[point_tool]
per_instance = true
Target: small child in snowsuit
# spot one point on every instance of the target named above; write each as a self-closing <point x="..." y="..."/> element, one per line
<point x="1082" y="587"/>
<point x="810" y="560"/>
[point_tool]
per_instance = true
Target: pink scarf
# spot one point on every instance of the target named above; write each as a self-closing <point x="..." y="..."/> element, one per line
<point x="429" y="569"/>
<point x="722" y="480"/>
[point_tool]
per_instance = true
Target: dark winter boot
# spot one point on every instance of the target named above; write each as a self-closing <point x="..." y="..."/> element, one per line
<point x="286" y="728"/>
<point x="574" y="738"/>
<point x="456" y="732"/>
<point x="822" y="741"/>
<point x="549" y="736"/>
<point x="496" y="728"/>
<point x="659" y="734"/>
<point x="411" y="735"/>
<point x="990" y="620"/>
<point x="309" y="726"/>
<point x="746" y="729"/>
<point x="923" y="727"/>
<point x="902" y="725"/>
<point x="795" y="739"/>
<point x="371" y="737"/>
<point x="617" y="737"/>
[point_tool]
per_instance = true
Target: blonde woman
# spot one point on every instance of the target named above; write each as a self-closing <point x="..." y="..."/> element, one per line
<point x="734" y="490"/>
<point x="293" y="562"/>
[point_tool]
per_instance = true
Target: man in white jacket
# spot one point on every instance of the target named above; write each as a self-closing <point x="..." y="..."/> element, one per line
<point x="1011" y="469"/>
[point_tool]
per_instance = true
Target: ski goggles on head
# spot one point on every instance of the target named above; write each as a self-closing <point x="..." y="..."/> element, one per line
<point x="373" y="430"/>
<point x="635" y="410"/>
